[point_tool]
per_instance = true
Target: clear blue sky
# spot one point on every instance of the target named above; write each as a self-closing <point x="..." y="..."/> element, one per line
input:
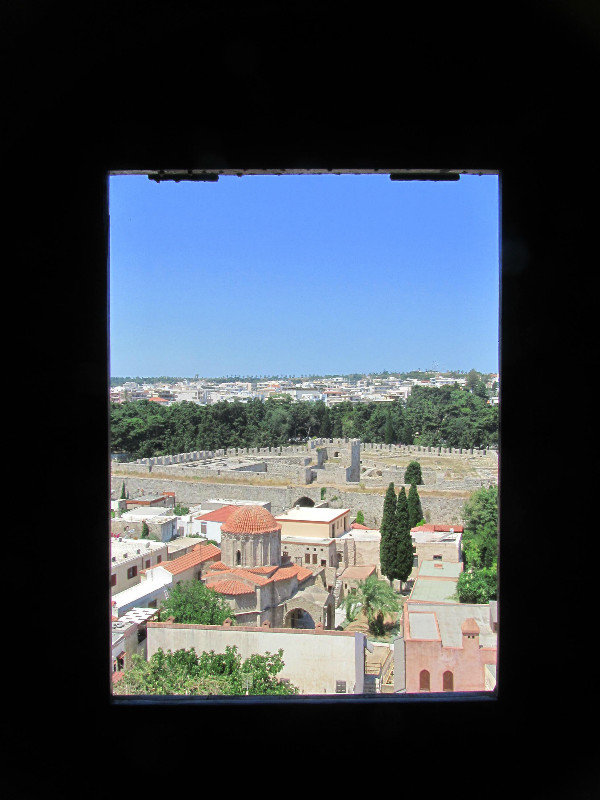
<point x="297" y="275"/>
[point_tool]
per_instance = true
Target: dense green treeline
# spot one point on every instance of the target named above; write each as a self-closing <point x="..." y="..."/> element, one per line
<point x="447" y="417"/>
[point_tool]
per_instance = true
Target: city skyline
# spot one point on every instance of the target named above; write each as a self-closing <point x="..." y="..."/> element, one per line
<point x="303" y="275"/>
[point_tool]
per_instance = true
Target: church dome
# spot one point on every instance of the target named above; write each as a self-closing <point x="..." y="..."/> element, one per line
<point x="251" y="519"/>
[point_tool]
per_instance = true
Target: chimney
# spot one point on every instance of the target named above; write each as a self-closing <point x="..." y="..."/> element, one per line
<point x="470" y="634"/>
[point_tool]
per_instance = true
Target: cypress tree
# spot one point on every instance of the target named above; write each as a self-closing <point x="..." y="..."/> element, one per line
<point x="404" y="551"/>
<point x="413" y="473"/>
<point x="415" y="512"/>
<point x="360" y="517"/>
<point x="123" y="495"/>
<point x="387" y="555"/>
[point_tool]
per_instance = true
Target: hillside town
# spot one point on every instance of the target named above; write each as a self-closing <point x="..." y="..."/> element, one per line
<point x="332" y="390"/>
<point x="303" y="569"/>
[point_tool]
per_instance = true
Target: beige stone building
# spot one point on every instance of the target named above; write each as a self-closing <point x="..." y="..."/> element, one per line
<point x="259" y="586"/>
<point x="129" y="558"/>
<point x="315" y="523"/>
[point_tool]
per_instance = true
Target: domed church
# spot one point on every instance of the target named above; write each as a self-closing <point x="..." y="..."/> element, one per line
<point x="259" y="587"/>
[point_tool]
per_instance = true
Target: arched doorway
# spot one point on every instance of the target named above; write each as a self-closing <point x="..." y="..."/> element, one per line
<point x="300" y="619"/>
<point x="305" y="502"/>
<point x="424" y="681"/>
<point x="448" y="681"/>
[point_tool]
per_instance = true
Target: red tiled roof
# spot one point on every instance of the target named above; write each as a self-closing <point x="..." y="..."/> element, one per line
<point x="116" y="676"/>
<point x="219" y="565"/>
<point x="232" y="587"/>
<point x="197" y="555"/>
<point x="218" y="514"/>
<point x="359" y="527"/>
<point x="251" y="519"/>
<point x="430" y="528"/>
<point x="268" y="570"/>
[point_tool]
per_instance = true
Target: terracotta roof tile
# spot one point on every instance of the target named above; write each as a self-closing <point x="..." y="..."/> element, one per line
<point x="251" y="519"/>
<point x="232" y="587"/>
<point x="218" y="514"/>
<point x="197" y="555"/>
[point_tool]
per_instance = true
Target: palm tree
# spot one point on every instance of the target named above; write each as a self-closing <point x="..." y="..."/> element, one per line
<point x="376" y="598"/>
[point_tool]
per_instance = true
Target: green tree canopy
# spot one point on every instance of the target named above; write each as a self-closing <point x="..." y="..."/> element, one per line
<point x="415" y="512"/>
<point x="145" y="530"/>
<point x="186" y="672"/>
<point x="193" y="602"/>
<point x="477" y="585"/>
<point x="413" y="473"/>
<point x="480" y="537"/>
<point x="376" y="598"/>
<point x="360" y="517"/>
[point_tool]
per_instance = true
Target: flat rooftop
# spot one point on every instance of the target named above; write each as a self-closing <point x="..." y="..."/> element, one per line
<point x="306" y="514"/>
<point x="370" y="535"/>
<point x="135" y="548"/>
<point x="434" y="591"/>
<point x="450" y="617"/>
<point x="440" y="569"/>
<point x="423" y="626"/>
<point x="144" y="512"/>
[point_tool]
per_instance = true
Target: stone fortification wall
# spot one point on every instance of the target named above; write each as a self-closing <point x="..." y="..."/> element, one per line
<point x="446" y="508"/>
<point x="291" y="472"/>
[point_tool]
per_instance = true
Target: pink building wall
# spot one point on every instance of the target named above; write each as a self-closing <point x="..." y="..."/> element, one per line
<point x="466" y="663"/>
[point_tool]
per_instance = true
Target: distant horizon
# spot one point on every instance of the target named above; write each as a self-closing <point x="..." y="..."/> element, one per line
<point x="303" y="274"/>
<point x="291" y="376"/>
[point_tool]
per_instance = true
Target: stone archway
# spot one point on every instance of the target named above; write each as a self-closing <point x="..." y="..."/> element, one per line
<point x="305" y="502"/>
<point x="299" y="618"/>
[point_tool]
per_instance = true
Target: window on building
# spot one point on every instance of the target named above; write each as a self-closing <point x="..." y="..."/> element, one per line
<point x="448" y="681"/>
<point x="113" y="580"/>
<point x="148" y="564"/>
<point x="132" y="572"/>
<point x="314" y="558"/>
<point x="158" y="559"/>
<point x="437" y="558"/>
<point x="340" y="687"/>
<point x="203" y="527"/>
<point x="307" y="558"/>
<point x="141" y="633"/>
<point x="424" y="680"/>
<point x="323" y="562"/>
<point x="238" y="557"/>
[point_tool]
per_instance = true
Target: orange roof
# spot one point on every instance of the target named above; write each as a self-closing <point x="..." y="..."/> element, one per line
<point x="218" y="514"/>
<point x="268" y="570"/>
<point x="197" y="555"/>
<point x="250" y="519"/>
<point x="219" y="565"/>
<point x="232" y="587"/>
<point x="430" y="528"/>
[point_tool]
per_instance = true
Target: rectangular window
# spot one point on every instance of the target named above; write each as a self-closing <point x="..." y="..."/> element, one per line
<point x="113" y="580"/>
<point x="148" y="564"/>
<point x="340" y="687"/>
<point x="314" y="558"/>
<point x="437" y="558"/>
<point x="307" y="558"/>
<point x="158" y="559"/>
<point x="323" y="562"/>
<point x="132" y="572"/>
<point x="203" y="527"/>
